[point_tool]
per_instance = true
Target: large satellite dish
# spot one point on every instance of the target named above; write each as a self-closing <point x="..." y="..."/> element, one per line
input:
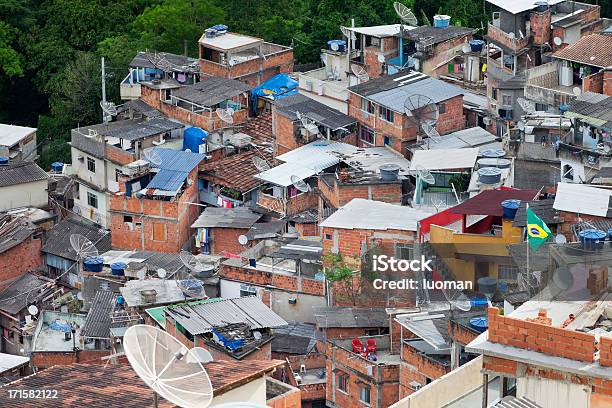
<point x="108" y="108"/>
<point x="260" y="164"/>
<point x="168" y="367"/>
<point x="421" y="110"/>
<point x="348" y="33"/>
<point x="308" y="124"/>
<point x="360" y="72"/>
<point x="457" y="299"/>
<point x="83" y="246"/>
<point x="226" y="115"/>
<point x="405" y="14"/>
<point x="424" y="175"/>
<point x="431" y="132"/>
<point x="193" y="264"/>
<point x="299" y="184"/>
<point x="151" y="156"/>
<point x="527" y="106"/>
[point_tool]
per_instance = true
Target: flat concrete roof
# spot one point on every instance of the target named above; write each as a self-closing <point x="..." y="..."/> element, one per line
<point x="229" y="41"/>
<point x="10" y="135"/>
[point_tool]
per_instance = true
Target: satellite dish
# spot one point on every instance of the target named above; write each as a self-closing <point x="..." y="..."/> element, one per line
<point x="527" y="106"/>
<point x="192" y="263"/>
<point x="360" y="72"/>
<point x="33" y="310"/>
<point x="108" y="108"/>
<point x="521" y="125"/>
<point x="576" y="90"/>
<point x="348" y="33"/>
<point x="334" y="46"/>
<point x="425" y="175"/>
<point x="299" y="184"/>
<point x="405" y="14"/>
<point x="457" y="299"/>
<point x="191" y="288"/>
<point x="202" y="355"/>
<point x="557" y="41"/>
<point x="381" y="58"/>
<point x="420" y="109"/>
<point x="141" y="273"/>
<point x="308" y="124"/>
<point x="466" y="47"/>
<point x="83" y="246"/>
<point x="161" y="273"/>
<point x="431" y="132"/>
<point x="151" y="156"/>
<point x="242" y="240"/>
<point x="560" y="239"/>
<point x="260" y="164"/>
<point x="562" y="278"/>
<point x="257" y="335"/>
<point x="167" y="367"/>
<point x="226" y="115"/>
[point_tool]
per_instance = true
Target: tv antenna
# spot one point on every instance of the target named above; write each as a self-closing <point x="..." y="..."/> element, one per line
<point x="360" y="73"/>
<point x="226" y="115"/>
<point x="300" y="184"/>
<point x="526" y="105"/>
<point x="260" y="164"/>
<point x="308" y="124"/>
<point x="421" y="109"/>
<point x="405" y="14"/>
<point x="151" y="156"/>
<point x="169" y="368"/>
<point x="194" y="265"/>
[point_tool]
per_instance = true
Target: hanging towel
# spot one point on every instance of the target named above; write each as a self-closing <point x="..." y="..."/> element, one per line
<point x="219" y="202"/>
<point x="451" y="68"/>
<point x="182" y="78"/>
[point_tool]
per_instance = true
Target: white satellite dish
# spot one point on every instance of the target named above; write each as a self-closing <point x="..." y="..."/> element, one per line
<point x="360" y="72"/>
<point x="193" y="264"/>
<point x="308" y="124"/>
<point x="191" y="288"/>
<point x="381" y="58"/>
<point x="526" y="105"/>
<point x="242" y="239"/>
<point x="108" y="108"/>
<point x="557" y="41"/>
<point x="226" y="115"/>
<point x="83" y="246"/>
<point x="202" y="355"/>
<point x="424" y="175"/>
<point x="32" y="310"/>
<point x="299" y="184"/>
<point x="162" y="273"/>
<point x="431" y="132"/>
<point x="466" y="47"/>
<point x="334" y="46"/>
<point x="576" y="90"/>
<point x="151" y="156"/>
<point x="521" y="125"/>
<point x="142" y="273"/>
<point x="405" y="14"/>
<point x="560" y="239"/>
<point x="167" y="367"/>
<point x="260" y="164"/>
<point x="457" y="299"/>
<point x="348" y="33"/>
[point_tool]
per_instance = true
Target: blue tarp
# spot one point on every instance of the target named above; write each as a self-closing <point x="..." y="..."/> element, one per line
<point x="277" y="87"/>
<point x="193" y="137"/>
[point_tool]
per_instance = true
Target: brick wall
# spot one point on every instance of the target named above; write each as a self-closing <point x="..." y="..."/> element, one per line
<point x="289" y="399"/>
<point x="226" y="239"/>
<point x="23" y="257"/>
<point x="605" y="351"/>
<point x="499" y="365"/>
<point x="542" y="338"/>
<point x="151" y="96"/>
<point x="593" y="83"/>
<point x="284" y="133"/>
<point x="340" y="193"/>
<point x="289" y="206"/>
<point x="47" y="359"/>
<point x="307" y="230"/>
<point x="118" y="155"/>
<point x="421" y="365"/>
<point x="607" y="83"/>
<point x="263" y="278"/>
<point x="461" y="334"/>
<point x="568" y="219"/>
<point x="540" y="27"/>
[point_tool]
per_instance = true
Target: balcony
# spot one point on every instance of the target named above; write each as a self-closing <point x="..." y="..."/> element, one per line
<point x="589" y="157"/>
<point x="507" y="40"/>
<point x="543" y="86"/>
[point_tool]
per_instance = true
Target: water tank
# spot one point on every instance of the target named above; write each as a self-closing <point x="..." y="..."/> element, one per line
<point x="148" y="295"/>
<point x="487" y="285"/>
<point x="118" y="268"/>
<point x="120" y="300"/>
<point x="389" y="172"/>
<point x="493" y="153"/>
<point x="592" y="238"/>
<point x="441" y="21"/>
<point x="479" y="301"/>
<point x="220" y="29"/>
<point x="210" y="32"/>
<point x="489" y="175"/>
<point x="509" y="208"/>
<point x="93" y="263"/>
<point x="479" y="323"/>
<point x="57" y="167"/>
<point x="490" y="162"/>
<point x="4" y="161"/>
<point x="476" y="45"/>
<point x="336" y="45"/>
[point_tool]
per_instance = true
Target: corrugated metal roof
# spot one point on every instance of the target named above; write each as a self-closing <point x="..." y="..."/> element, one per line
<point x="444" y="159"/>
<point x="583" y="199"/>
<point x="513" y="402"/>
<point x="239" y="217"/>
<point x="211" y="91"/>
<point x="203" y="318"/>
<point x="350" y="317"/>
<point x="390" y="30"/>
<point x="11" y="302"/>
<point x="320" y="113"/>
<point x="426" y="328"/>
<point x="98" y="320"/>
<point x="169" y="180"/>
<point x="11" y="134"/>
<point x="11" y="361"/>
<point x="360" y="213"/>
<point x="178" y="160"/>
<point x="56" y="240"/>
<point x="281" y="175"/>
<point x="21" y="173"/>
<point x="137" y="131"/>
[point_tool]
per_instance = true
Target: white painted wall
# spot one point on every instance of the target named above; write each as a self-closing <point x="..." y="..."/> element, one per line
<point x="32" y="194"/>
<point x="98" y="215"/>
<point x="80" y="168"/>
<point x="553" y="394"/>
<point x="253" y="392"/>
<point x="579" y="171"/>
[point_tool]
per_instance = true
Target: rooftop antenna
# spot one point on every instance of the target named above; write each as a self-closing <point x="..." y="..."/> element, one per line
<point x="108" y="108"/>
<point x="260" y="164"/>
<point x="151" y="156"/>
<point x="405" y="14"/>
<point x="167" y="367"/>
<point x="420" y="110"/>
<point x="300" y="184"/>
<point x="526" y="105"/>
<point x="194" y="265"/>
<point x="360" y="73"/>
<point x="308" y="124"/>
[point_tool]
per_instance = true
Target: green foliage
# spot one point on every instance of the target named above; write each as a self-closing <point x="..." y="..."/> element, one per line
<point x="336" y="269"/>
<point x="460" y="181"/>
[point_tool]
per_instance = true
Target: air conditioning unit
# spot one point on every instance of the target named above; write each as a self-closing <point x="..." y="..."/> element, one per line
<point x="298" y="378"/>
<point x="415" y="386"/>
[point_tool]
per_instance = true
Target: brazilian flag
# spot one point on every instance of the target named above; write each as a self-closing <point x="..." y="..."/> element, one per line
<point x="537" y="231"/>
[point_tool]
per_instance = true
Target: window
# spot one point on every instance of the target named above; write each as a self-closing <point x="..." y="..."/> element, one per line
<point x="494" y="94"/>
<point x="247" y="290"/>
<point x="541" y="107"/>
<point x="117" y="174"/>
<point x="568" y="172"/>
<point x="77" y="193"/>
<point x="441" y="108"/>
<point x="385" y="114"/>
<point x="343" y="380"/>
<point x="367" y="135"/>
<point x="92" y="200"/>
<point x="91" y="164"/>
<point x="367" y="106"/>
<point x="128" y="218"/>
<point x="364" y="395"/>
<point x="387" y="140"/>
<point x="507" y="272"/>
<point x="507" y="100"/>
<point x="328" y="237"/>
<point x="159" y="232"/>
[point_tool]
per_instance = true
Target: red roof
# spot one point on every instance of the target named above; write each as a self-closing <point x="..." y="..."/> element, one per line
<point x="260" y="130"/>
<point x="236" y="171"/>
<point x="489" y="201"/>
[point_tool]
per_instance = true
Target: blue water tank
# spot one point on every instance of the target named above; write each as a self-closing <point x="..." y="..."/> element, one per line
<point x="479" y="301"/>
<point x="93" y="263"/>
<point x="118" y="268"/>
<point x="193" y="138"/>
<point x="220" y="28"/>
<point x="441" y="21"/>
<point x="493" y="153"/>
<point x="476" y="45"/>
<point x="592" y="238"/>
<point x="336" y="45"/>
<point x="4" y="161"/>
<point x="509" y="208"/>
<point x="489" y="175"/>
<point x="120" y="300"/>
<point x="487" y="284"/>
<point x="479" y="323"/>
<point x="57" y="167"/>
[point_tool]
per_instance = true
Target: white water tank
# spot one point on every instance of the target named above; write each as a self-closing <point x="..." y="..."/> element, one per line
<point x="566" y="77"/>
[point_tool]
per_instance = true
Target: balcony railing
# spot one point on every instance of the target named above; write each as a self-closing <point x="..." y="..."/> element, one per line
<point x="498" y="35"/>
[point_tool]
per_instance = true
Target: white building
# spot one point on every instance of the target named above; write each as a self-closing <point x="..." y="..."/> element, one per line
<point x="23" y="185"/>
<point x="18" y="143"/>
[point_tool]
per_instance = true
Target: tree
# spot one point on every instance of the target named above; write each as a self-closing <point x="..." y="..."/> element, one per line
<point x="342" y="276"/>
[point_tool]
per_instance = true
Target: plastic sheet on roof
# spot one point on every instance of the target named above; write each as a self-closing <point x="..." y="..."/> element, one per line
<point x="277" y="87"/>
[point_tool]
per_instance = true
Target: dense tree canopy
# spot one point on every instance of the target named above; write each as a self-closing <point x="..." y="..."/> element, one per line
<point x="50" y="49"/>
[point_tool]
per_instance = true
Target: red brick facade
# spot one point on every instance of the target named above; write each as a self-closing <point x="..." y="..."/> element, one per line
<point x="289" y="206"/>
<point x="418" y="368"/>
<point x="22" y="258"/>
<point x="226" y="239"/>
<point x="263" y="278"/>
<point x="605" y="351"/>
<point x="339" y="194"/>
<point x="47" y="359"/>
